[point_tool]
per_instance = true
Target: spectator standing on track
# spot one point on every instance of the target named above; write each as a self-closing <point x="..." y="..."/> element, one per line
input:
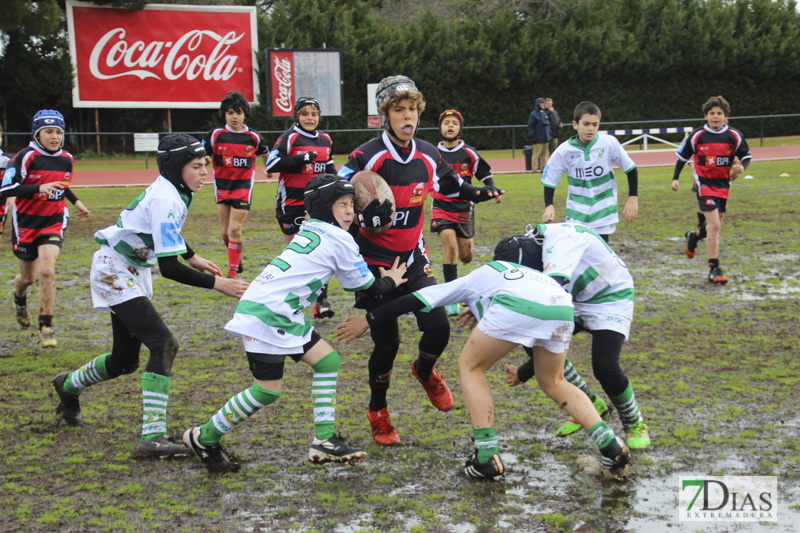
<point x="539" y="133"/>
<point x="555" y="126"/>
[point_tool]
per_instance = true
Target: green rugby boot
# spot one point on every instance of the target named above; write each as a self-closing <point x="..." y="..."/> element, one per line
<point x="571" y="425"/>
<point x="638" y="436"/>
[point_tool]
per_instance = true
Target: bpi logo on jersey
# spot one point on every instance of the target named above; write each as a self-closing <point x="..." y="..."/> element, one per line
<point x="728" y="499"/>
<point x="230" y="161"/>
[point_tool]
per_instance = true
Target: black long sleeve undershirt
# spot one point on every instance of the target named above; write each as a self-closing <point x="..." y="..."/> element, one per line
<point x="30" y="191"/>
<point x="173" y="269"/>
<point x="394" y="308"/>
<point x="633" y="187"/>
<point x="380" y="286"/>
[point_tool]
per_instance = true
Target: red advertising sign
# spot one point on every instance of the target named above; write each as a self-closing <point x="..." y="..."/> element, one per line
<point x="175" y="56"/>
<point x="295" y="73"/>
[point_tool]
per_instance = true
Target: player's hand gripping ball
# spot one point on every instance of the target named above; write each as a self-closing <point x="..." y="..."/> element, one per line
<point x="374" y="201"/>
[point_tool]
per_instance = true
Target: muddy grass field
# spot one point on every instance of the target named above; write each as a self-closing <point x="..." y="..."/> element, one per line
<point x="716" y="371"/>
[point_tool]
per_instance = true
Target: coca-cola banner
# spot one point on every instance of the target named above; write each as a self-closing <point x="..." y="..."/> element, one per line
<point x="295" y="73"/>
<point x="164" y="56"/>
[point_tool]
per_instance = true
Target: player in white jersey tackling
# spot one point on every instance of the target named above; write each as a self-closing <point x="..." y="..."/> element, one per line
<point x="269" y="318"/>
<point x="146" y="233"/>
<point x="602" y="293"/>
<point x="587" y="158"/>
<point x="513" y="305"/>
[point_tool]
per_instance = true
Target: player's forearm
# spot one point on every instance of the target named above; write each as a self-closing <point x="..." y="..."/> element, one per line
<point x="173" y="269"/>
<point x="678" y="167"/>
<point x="394" y="308"/>
<point x="633" y="182"/>
<point x="380" y="286"/>
<point x="549" y="195"/>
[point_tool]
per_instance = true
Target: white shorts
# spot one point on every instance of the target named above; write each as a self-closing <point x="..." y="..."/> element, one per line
<point x="501" y="323"/>
<point x="258" y="346"/>
<point x="613" y="316"/>
<point x="114" y="280"/>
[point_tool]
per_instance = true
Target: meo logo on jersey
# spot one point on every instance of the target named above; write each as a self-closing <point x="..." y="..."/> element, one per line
<point x="171" y="235"/>
<point x="229" y="161"/>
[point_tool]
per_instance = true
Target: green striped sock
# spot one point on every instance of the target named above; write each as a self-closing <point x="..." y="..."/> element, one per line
<point x="155" y="395"/>
<point x="601" y="434"/>
<point x="572" y="376"/>
<point x="236" y="410"/>
<point x="323" y="394"/>
<point x="627" y="408"/>
<point x="485" y="443"/>
<point x="91" y="373"/>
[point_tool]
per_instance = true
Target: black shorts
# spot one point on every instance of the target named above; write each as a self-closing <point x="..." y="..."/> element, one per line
<point x="464" y="230"/>
<point x="419" y="276"/>
<point x="709" y="203"/>
<point x="236" y="204"/>
<point x="30" y="252"/>
<point x="290" y="220"/>
<point x="269" y="367"/>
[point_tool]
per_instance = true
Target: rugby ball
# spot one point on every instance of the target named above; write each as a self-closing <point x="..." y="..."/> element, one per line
<point x="370" y="186"/>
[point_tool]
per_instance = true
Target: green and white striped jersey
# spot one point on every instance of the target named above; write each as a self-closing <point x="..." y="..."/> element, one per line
<point x="522" y="292"/>
<point x="271" y="309"/>
<point x="596" y="274"/>
<point x="592" y="192"/>
<point x="150" y="226"/>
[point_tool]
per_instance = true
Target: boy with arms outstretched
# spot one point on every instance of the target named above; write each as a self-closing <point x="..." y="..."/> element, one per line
<point x="452" y="218"/>
<point x="270" y="320"/>
<point x="147" y="232"/>
<point x="592" y="193"/>
<point x="719" y="153"/>
<point x="603" y="295"/>
<point x="39" y="176"/>
<point x="412" y="168"/>
<point x="513" y="305"/>
<point x="233" y="150"/>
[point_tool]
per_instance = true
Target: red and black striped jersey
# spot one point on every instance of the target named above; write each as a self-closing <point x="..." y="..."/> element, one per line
<point x="286" y="157"/>
<point x="467" y="164"/>
<point x="713" y="154"/>
<point x="234" y="154"/>
<point x="411" y="173"/>
<point x="42" y="214"/>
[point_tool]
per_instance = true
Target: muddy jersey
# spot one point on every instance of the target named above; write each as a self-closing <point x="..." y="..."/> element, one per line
<point x="595" y="274"/>
<point x="466" y="162"/>
<point x="150" y="227"/>
<point x="592" y="191"/>
<point x="521" y="292"/>
<point x="45" y="213"/>
<point x="713" y="153"/>
<point x="234" y="154"/>
<point x="271" y="309"/>
<point x="292" y="180"/>
<point x="411" y="177"/>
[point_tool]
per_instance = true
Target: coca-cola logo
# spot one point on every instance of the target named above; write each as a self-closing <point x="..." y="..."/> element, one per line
<point x="172" y="60"/>
<point x="282" y="70"/>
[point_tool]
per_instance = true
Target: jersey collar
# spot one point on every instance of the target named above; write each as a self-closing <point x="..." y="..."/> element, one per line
<point x="301" y="131"/>
<point x="443" y="148"/>
<point x="393" y="149"/>
<point x="723" y="129"/>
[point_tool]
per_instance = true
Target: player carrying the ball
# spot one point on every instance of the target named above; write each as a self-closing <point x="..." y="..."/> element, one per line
<point x="412" y="168"/>
<point x="269" y="318"/>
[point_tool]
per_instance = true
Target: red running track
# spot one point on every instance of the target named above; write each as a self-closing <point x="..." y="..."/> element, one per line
<point x="136" y="178"/>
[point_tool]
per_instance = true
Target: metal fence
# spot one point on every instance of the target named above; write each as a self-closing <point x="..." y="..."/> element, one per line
<point x="497" y="137"/>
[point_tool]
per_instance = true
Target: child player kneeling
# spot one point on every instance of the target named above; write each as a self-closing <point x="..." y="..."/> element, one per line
<point x="269" y="318"/>
<point x="514" y="305"/>
<point x="147" y="232"/>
